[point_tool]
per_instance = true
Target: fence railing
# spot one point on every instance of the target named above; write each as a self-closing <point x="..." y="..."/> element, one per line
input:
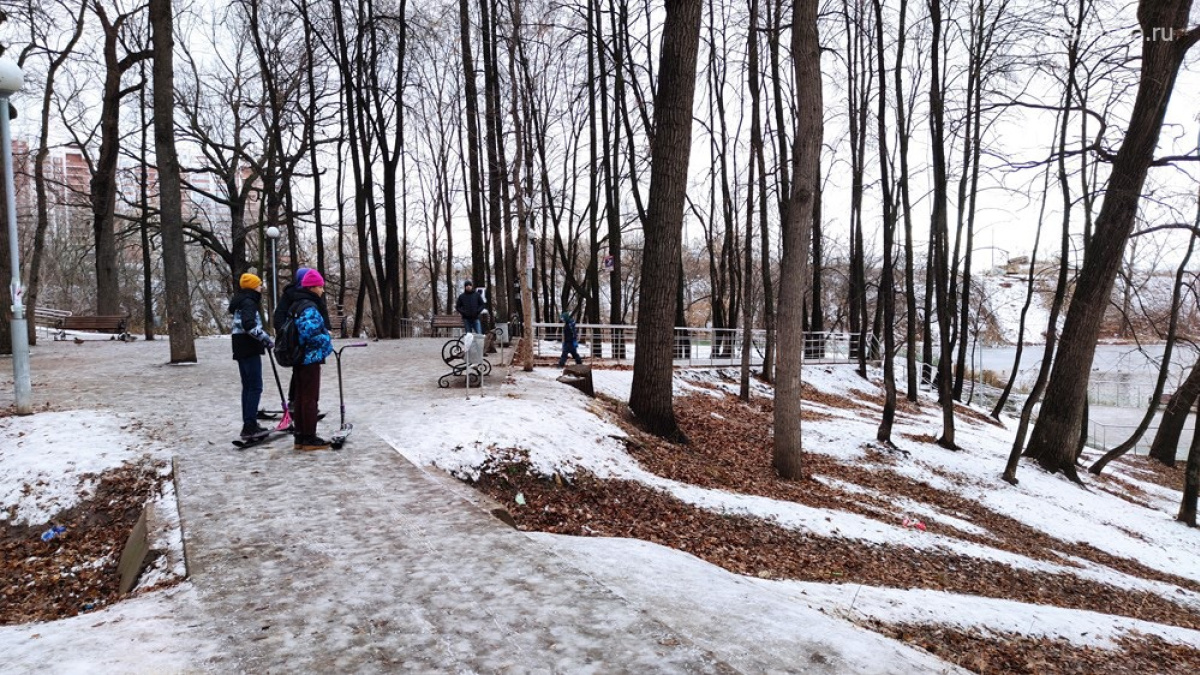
<point x="979" y="394"/>
<point x="1118" y="394"/>
<point x="699" y="347"/>
<point x="1108" y="436"/>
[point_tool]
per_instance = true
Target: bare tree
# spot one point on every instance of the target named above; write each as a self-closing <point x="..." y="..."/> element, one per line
<point x="1062" y="414"/>
<point x="797" y="232"/>
<point x="57" y="59"/>
<point x="651" y="396"/>
<point x="117" y="61"/>
<point x="179" y="311"/>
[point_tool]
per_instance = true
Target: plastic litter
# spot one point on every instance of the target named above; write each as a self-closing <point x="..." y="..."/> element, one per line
<point x="914" y="523"/>
<point x="53" y="532"/>
<point x="520" y="499"/>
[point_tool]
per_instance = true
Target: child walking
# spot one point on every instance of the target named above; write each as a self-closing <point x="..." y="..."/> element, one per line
<point x="570" y="340"/>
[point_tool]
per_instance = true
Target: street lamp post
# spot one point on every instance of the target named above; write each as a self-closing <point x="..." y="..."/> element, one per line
<point x="11" y="81"/>
<point x="273" y="235"/>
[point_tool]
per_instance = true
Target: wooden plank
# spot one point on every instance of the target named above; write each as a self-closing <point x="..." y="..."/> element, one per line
<point x="137" y="547"/>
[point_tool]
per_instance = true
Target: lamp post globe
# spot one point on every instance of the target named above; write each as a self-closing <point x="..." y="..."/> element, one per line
<point x="273" y="235"/>
<point x="11" y="82"/>
<point x="12" y="79"/>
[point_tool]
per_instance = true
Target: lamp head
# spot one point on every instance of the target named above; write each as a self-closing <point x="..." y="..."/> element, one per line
<point x="11" y="77"/>
<point x="272" y="232"/>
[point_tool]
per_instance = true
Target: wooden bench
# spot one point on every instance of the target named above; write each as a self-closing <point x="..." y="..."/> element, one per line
<point x="339" y="323"/>
<point x="114" y="325"/>
<point x="445" y="322"/>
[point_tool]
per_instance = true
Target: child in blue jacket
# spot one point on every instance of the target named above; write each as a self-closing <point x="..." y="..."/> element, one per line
<point x="570" y="340"/>
<point x="314" y="338"/>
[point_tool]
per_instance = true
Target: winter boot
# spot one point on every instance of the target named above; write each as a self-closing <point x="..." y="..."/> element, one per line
<point x="253" y="431"/>
<point x="311" y="443"/>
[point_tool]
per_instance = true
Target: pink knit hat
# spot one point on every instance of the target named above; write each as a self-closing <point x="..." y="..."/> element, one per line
<point x="313" y="278"/>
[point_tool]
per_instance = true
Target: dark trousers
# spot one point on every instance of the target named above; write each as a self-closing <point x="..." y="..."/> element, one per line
<point x="251" y="371"/>
<point x="308" y="392"/>
<point x="569" y="349"/>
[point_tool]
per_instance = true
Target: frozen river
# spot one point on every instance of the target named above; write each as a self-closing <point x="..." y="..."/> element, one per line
<point x="1119" y="389"/>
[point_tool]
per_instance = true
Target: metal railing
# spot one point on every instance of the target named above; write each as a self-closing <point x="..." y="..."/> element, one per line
<point x="1105" y="437"/>
<point x="696" y="347"/>
<point x="981" y="395"/>
<point x="1118" y="394"/>
<point x="49" y="315"/>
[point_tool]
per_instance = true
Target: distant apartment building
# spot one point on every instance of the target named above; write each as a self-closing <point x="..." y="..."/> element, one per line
<point x="68" y="180"/>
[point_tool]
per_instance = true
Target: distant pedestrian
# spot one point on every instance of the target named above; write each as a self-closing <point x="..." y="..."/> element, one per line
<point x="570" y="340"/>
<point x="470" y="305"/>
<point x="249" y="343"/>
<point x="317" y="346"/>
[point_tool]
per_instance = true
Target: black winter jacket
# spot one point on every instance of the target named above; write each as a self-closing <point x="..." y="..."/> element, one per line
<point x="289" y="295"/>
<point x="470" y="304"/>
<point x="249" y="338"/>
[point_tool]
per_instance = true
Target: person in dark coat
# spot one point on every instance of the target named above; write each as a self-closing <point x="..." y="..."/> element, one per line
<point x="288" y="295"/>
<point x="284" y="304"/>
<point x="570" y="340"/>
<point x="317" y="345"/>
<point x="470" y="305"/>
<point x="249" y="343"/>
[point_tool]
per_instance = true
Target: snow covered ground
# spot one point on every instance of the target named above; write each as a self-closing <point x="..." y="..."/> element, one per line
<point x="564" y="432"/>
<point x="50" y="461"/>
<point x="1047" y="503"/>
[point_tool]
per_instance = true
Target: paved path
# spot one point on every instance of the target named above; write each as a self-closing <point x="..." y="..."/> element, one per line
<point x="359" y="561"/>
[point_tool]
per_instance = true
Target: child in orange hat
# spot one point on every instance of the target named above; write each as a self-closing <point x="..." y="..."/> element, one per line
<point x="249" y="343"/>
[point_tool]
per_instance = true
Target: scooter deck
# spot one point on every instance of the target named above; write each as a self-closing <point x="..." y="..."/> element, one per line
<point x="338" y="439"/>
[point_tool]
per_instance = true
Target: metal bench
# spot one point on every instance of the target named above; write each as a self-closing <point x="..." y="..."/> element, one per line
<point x="48" y="318"/>
<point x="455" y="356"/>
<point x="114" y="325"/>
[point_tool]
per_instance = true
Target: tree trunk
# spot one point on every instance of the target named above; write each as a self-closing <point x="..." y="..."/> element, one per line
<point x="475" y="187"/>
<point x="1060" y="291"/>
<point x="1061" y="415"/>
<point x="613" y="183"/>
<point x="179" y="324"/>
<point x="498" y="293"/>
<point x="104" y="173"/>
<point x="651" y="398"/>
<point x="910" y="284"/>
<point x="144" y="218"/>
<point x="887" y="280"/>
<point x="797" y="232"/>
<point x="1191" y="480"/>
<point x="1165" y="445"/>
<point x="939" y="229"/>
<point x="756" y="143"/>
<point x="41" y="196"/>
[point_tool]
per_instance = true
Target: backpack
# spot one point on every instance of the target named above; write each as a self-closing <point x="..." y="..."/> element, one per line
<point x="289" y="349"/>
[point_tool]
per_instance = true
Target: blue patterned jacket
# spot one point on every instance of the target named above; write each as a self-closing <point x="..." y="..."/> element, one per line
<point x="313" y="335"/>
